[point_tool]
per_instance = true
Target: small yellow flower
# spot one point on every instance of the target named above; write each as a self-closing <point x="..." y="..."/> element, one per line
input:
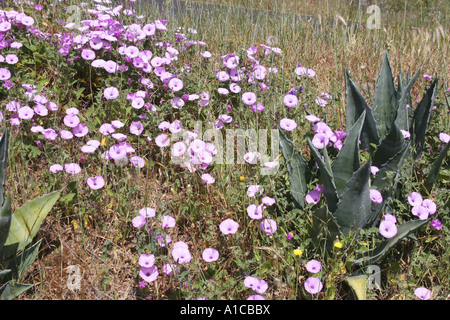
<point x="242" y="178"/>
<point x="298" y="252"/>
<point x="337" y="244"/>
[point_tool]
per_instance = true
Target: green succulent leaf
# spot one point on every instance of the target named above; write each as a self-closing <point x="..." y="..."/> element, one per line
<point x="359" y="285"/>
<point x="5" y="221"/>
<point x="389" y="146"/>
<point x="324" y="227"/>
<point x="297" y="169"/>
<point x="326" y="176"/>
<point x="354" y="208"/>
<point x="348" y="160"/>
<point x="26" y="221"/>
<point x="433" y="174"/>
<point x="385" y="102"/>
<point x="355" y="105"/>
<point x="378" y="253"/>
<point x="4" y="144"/>
<point x="402" y="119"/>
<point x="13" y="290"/>
<point x="421" y="118"/>
<point x="20" y="263"/>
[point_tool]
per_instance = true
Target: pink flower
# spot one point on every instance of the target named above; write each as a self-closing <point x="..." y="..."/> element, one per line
<point x="313" y="285"/>
<point x="421" y="212"/>
<point x="313" y="266"/>
<point x="228" y="226"/>
<point x="268" y="201"/>
<point x="313" y="197"/>
<point x="430" y="205"/>
<point x="71" y="120"/>
<point x="149" y="274"/>
<point x="255" y="211"/>
<point x="111" y="93"/>
<point x="210" y="255"/>
<point x="290" y="100"/>
<point x="137" y="162"/>
<point x="208" y="178"/>
<point x="436" y="224"/>
<point x="288" y="124"/>
<point x="254" y="189"/>
<point x="136" y="128"/>
<point x="415" y="199"/>
<point x="249" y="98"/>
<point x="423" y="293"/>
<point x="88" y="54"/>
<point x="268" y="226"/>
<point x="162" y="140"/>
<point x="146" y="260"/>
<point x="56" y="168"/>
<point x="175" y="84"/>
<point x="375" y="196"/>
<point x="181" y="255"/>
<point x="96" y="183"/>
<point x="444" y="137"/>
<point x="168" y="221"/>
<point x="138" y="221"/>
<point x="72" y="168"/>
<point x="25" y="112"/>
<point x="147" y="212"/>
<point x="320" y="140"/>
<point x="388" y="228"/>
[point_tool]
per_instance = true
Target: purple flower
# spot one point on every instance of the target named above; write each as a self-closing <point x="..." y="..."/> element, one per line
<point x="320" y="140"/>
<point x="147" y="212"/>
<point x="423" y="293"/>
<point x="168" y="221"/>
<point x="208" y="178"/>
<point x="415" y="199"/>
<point x="313" y="197"/>
<point x="375" y="196"/>
<point x="25" y="112"/>
<point x="136" y="128"/>
<point x="288" y="124"/>
<point x="436" y="224"/>
<point x="268" y="201"/>
<point x="146" y="260"/>
<point x="72" y="168"/>
<point x="111" y="93"/>
<point x="56" y="168"/>
<point x="388" y="228"/>
<point x="88" y="54"/>
<point x="255" y="211"/>
<point x="313" y="285"/>
<point x="313" y="266"/>
<point x="181" y="255"/>
<point x="290" y="100"/>
<point x="256" y="297"/>
<point x="268" y="226"/>
<point x="421" y="212"/>
<point x="430" y="205"/>
<point x="138" y="221"/>
<point x="210" y="255"/>
<point x="175" y="84"/>
<point x="137" y="162"/>
<point x="249" y="98"/>
<point x="11" y="58"/>
<point x="444" y="137"/>
<point x="228" y="226"/>
<point x="254" y="189"/>
<point x="427" y="77"/>
<point x="162" y="140"/>
<point x="71" y="120"/>
<point x="96" y="183"/>
<point x="149" y="274"/>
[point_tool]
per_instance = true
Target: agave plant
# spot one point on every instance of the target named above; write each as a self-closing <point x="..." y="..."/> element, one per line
<point x="347" y="181"/>
<point x="17" y="232"/>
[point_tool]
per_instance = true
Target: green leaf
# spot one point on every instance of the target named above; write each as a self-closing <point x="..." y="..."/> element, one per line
<point x="389" y="147"/>
<point x="4" y="145"/>
<point x="433" y="174"/>
<point x="326" y="176"/>
<point x="354" y="208"/>
<point x="324" y="227"/>
<point x="12" y="291"/>
<point x="421" y="118"/>
<point x="378" y="253"/>
<point x="26" y="221"/>
<point x="355" y="105"/>
<point x="348" y="160"/>
<point x="22" y="262"/>
<point x="297" y="167"/>
<point x="358" y="285"/>
<point x="385" y="103"/>
<point x="5" y="221"/>
<point x="403" y="113"/>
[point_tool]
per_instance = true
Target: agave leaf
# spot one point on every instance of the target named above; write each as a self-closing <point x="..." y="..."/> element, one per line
<point x="421" y="118"/>
<point x="13" y="290"/>
<point x="385" y="181"/>
<point x="389" y="147"/>
<point x="5" y="221"/>
<point x="434" y="171"/>
<point x="324" y="227"/>
<point x="354" y="207"/>
<point x="26" y="221"/>
<point x="4" y="142"/>
<point x="403" y="113"/>
<point x="385" y="102"/>
<point x="359" y="285"/>
<point x="348" y="160"/>
<point x="326" y="176"/>
<point x="378" y="253"/>
<point x="21" y="262"/>
<point x="355" y="105"/>
<point x="297" y="168"/>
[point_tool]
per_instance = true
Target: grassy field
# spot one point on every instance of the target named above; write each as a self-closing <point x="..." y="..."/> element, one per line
<point x="94" y="230"/>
